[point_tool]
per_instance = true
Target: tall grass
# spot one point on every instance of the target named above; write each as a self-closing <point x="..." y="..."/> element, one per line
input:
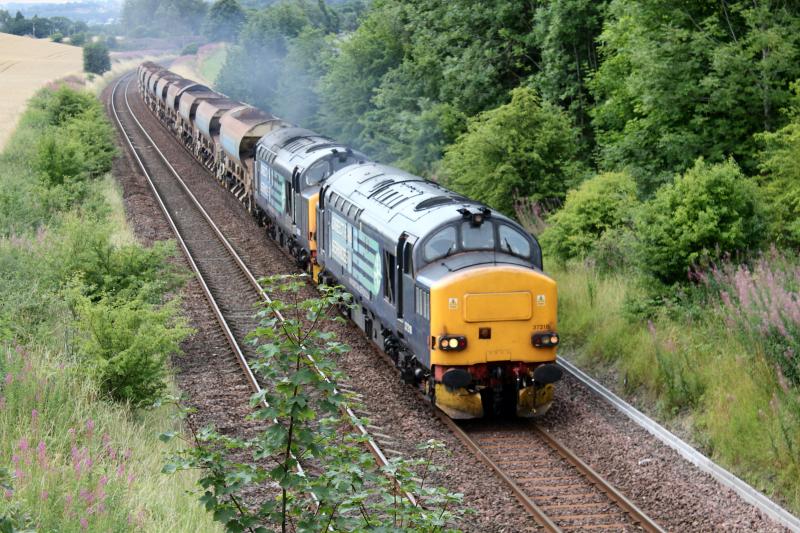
<point x="70" y="459"/>
<point x="706" y="365"/>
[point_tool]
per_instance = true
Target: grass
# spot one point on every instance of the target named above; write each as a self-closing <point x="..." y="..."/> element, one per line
<point x="70" y="459"/>
<point x="693" y="369"/>
<point x="210" y="65"/>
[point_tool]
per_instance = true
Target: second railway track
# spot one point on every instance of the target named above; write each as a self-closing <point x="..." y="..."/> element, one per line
<point x="553" y="485"/>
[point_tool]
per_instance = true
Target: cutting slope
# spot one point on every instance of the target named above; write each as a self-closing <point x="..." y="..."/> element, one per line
<point x="26" y="65"/>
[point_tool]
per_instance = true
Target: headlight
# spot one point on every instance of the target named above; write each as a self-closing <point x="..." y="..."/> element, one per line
<point x="544" y="340"/>
<point x="451" y="343"/>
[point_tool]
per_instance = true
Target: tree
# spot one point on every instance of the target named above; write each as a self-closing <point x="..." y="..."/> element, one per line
<point x="526" y="148"/>
<point x="95" y="58"/>
<point x="780" y="175"/>
<point x="566" y="34"/>
<point x="223" y="21"/>
<point x="680" y="80"/>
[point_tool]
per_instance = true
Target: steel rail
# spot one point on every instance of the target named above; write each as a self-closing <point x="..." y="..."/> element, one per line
<point x="218" y="315"/>
<point x="685" y="450"/>
<point x="354" y="420"/>
<point x="637" y="515"/>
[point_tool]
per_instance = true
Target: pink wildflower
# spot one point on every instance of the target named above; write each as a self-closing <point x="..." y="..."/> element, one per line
<point x="68" y="499"/>
<point x="9" y="378"/>
<point x="15" y="459"/>
<point x="8" y="494"/>
<point x="2" y="402"/>
<point x="120" y="470"/>
<point x="45" y="495"/>
<point x="23" y="445"/>
<point x="35" y="416"/>
<point x="103" y="481"/>
<point x="71" y="434"/>
<point x="131" y="478"/>
<point x="42" y="453"/>
<point x="89" y="427"/>
<point x="84" y="523"/>
<point x="127" y="454"/>
<point x="19" y="474"/>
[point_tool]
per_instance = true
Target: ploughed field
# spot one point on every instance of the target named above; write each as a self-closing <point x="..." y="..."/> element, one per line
<point x="655" y="478"/>
<point x="26" y="65"/>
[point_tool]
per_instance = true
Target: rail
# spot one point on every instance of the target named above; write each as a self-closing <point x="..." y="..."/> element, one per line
<point x="236" y="348"/>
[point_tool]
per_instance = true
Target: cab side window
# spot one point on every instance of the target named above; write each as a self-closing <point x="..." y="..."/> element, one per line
<point x="318" y="172"/>
<point x="442" y="243"/>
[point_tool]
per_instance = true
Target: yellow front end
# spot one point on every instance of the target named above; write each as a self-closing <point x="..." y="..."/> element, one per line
<point x="497" y="309"/>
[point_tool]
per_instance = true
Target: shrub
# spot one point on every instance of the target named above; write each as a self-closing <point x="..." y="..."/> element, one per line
<point x="65" y="104"/>
<point x="96" y="135"/>
<point x="710" y="211"/>
<point x="95" y="58"/>
<point x="601" y="204"/>
<point x="57" y="37"/>
<point x="127" y="343"/>
<point x="59" y="159"/>
<point x="526" y="148"/>
<point x="77" y="39"/>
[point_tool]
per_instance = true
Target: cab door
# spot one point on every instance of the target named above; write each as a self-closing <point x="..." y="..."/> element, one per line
<point x="405" y="278"/>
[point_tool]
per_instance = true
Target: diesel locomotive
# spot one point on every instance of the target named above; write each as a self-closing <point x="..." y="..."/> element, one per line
<point x="452" y="291"/>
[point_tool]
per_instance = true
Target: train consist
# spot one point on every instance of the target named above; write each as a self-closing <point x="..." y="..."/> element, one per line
<point x="452" y="291"/>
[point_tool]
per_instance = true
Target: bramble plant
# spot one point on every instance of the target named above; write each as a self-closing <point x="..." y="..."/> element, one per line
<point x="302" y="409"/>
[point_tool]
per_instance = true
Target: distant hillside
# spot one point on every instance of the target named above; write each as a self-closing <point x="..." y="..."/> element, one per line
<point x="100" y="12"/>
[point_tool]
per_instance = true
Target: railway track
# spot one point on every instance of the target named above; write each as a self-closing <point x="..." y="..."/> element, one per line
<point x="229" y="286"/>
<point x="556" y="488"/>
<point x="559" y="490"/>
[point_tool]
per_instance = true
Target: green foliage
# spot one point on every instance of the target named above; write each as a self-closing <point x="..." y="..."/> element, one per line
<point x="95" y="58"/>
<point x="70" y="441"/>
<point x="127" y="343"/>
<point x="524" y="148"/>
<point x="64" y="104"/>
<point x="301" y="409"/>
<point x="166" y="18"/>
<point x="707" y="213"/>
<point x="77" y="39"/>
<point x="599" y="206"/>
<point x="57" y="37"/>
<point x="678" y="81"/>
<point x="223" y="20"/>
<point x="781" y="175"/>
<point x="566" y="33"/>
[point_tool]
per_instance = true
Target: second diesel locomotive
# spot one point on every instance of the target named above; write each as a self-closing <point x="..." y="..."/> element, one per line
<point x="452" y="291"/>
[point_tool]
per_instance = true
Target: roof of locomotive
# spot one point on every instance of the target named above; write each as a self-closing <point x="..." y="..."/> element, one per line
<point x="298" y="147"/>
<point x="393" y="201"/>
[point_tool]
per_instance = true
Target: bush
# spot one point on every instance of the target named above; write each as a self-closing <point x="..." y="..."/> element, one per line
<point x="127" y="344"/>
<point x="65" y="104"/>
<point x="707" y="213"/>
<point x="190" y="49"/>
<point x="57" y="37"/>
<point x="59" y="160"/>
<point x="96" y="59"/>
<point x="77" y="39"/>
<point x="601" y="204"/>
<point x="96" y="135"/>
<point x="526" y="148"/>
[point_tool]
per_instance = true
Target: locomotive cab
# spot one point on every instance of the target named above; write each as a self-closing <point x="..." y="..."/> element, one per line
<point x="492" y="315"/>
